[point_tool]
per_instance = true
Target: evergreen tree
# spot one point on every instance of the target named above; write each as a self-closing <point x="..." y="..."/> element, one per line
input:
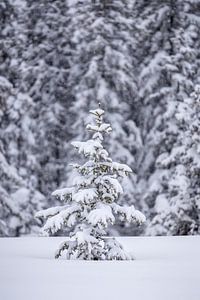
<point x="44" y="70"/>
<point x="91" y="201"/>
<point x="155" y="28"/>
<point x="180" y="213"/>
<point x="173" y="210"/>
<point x="17" y="202"/>
<point x="19" y="197"/>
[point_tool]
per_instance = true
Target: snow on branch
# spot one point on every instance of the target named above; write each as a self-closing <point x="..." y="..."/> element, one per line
<point x="83" y="182"/>
<point x="88" y="148"/>
<point x="115" y="250"/>
<point x="82" y="241"/>
<point x="63" y="194"/>
<point x="110" y="182"/>
<point x="103" y="128"/>
<point x="49" y="212"/>
<point x="83" y="237"/>
<point x="97" y="112"/>
<point x="102" y="216"/>
<point x="86" y="195"/>
<point x="66" y="217"/>
<point x="129" y="213"/>
<point x="120" y="169"/>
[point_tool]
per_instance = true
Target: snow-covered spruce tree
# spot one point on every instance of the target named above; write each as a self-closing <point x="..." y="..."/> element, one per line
<point x="90" y="204"/>
<point x="19" y="196"/>
<point x="167" y="79"/>
<point x="44" y="68"/>
<point x="157" y="97"/>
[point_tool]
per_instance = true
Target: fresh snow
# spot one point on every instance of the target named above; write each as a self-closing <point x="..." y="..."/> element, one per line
<point x="165" y="268"/>
<point x="101" y="216"/>
<point x="87" y="148"/>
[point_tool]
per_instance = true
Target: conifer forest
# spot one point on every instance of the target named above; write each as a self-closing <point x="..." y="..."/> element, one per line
<point x="140" y="59"/>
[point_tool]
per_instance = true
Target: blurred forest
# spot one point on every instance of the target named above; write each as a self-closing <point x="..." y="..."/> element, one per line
<point x="141" y="60"/>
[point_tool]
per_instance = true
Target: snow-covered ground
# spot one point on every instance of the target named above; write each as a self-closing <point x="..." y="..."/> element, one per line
<point x="166" y="268"/>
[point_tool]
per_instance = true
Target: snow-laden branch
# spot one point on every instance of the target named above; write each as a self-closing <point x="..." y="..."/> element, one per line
<point x="101" y="216"/>
<point x="97" y="112"/>
<point x="65" y="193"/>
<point x="49" y="212"/>
<point x="118" y="168"/>
<point x="129" y="213"/>
<point x="67" y="217"/>
<point x="88" y="148"/>
<point x="86" y="196"/>
<point x="83" y="237"/>
<point x="109" y="181"/>
<point x="103" y="128"/>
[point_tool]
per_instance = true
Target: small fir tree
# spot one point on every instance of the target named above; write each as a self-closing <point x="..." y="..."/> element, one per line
<point x="90" y="204"/>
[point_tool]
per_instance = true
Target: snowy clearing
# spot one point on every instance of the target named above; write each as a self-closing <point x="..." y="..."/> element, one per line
<point x="165" y="268"/>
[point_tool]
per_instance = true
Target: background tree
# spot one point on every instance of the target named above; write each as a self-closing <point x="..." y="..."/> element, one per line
<point x="169" y="183"/>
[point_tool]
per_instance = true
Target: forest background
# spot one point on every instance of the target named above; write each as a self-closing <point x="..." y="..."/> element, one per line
<point x="141" y="60"/>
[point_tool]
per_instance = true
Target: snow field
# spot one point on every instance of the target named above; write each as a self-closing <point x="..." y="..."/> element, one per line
<point x="166" y="268"/>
